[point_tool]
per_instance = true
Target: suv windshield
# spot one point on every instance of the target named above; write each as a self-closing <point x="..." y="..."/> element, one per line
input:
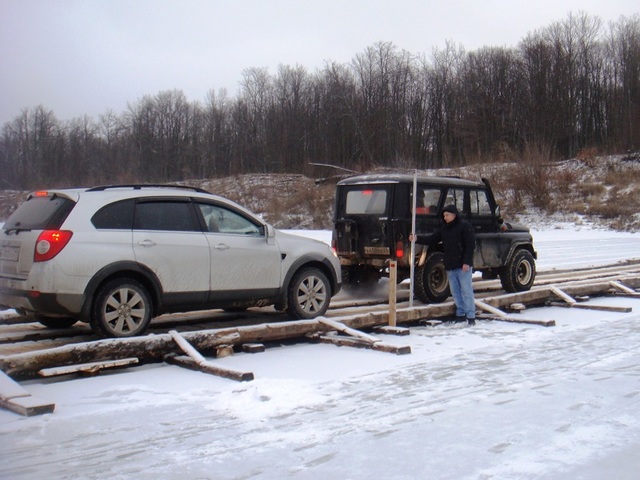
<point x="368" y="201"/>
<point x="40" y="213"/>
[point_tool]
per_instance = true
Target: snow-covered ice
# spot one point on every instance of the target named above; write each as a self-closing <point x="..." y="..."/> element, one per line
<point x="494" y="401"/>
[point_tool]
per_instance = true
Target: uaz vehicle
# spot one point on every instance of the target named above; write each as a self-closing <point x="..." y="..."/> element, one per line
<point x="373" y="217"/>
<point x="116" y="256"/>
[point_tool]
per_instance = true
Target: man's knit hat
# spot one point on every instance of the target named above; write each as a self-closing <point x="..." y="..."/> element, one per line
<point x="450" y="209"/>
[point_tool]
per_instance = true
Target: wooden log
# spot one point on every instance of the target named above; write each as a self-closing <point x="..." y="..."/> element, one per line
<point x="87" y="368"/>
<point x="349" y="331"/>
<point x="198" y="362"/>
<point x="208" y="367"/>
<point x="186" y="347"/>
<point x="148" y="349"/>
<point x="15" y="398"/>
<point x="583" y="306"/>
<point x="562" y="295"/>
<point x="153" y="348"/>
<point x="622" y="287"/>
<point x="488" y="308"/>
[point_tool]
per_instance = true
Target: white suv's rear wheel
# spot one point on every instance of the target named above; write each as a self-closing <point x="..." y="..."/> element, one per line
<point x="309" y="294"/>
<point x="122" y="308"/>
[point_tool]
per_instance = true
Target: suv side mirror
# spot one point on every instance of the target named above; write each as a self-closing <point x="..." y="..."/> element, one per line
<point x="269" y="233"/>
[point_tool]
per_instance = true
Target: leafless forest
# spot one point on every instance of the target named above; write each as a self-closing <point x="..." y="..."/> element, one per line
<point x="570" y="87"/>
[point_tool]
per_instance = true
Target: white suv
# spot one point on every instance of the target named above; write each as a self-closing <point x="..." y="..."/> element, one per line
<point x="117" y="256"/>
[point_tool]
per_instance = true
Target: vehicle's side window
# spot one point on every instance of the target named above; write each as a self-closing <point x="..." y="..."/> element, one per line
<point x="427" y="201"/>
<point x="479" y="203"/>
<point x="115" y="216"/>
<point x="455" y="196"/>
<point x="166" y="215"/>
<point x="222" y="220"/>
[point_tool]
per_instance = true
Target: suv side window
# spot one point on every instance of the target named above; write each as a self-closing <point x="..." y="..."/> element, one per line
<point x="479" y="203"/>
<point x="427" y="201"/>
<point x="222" y="220"/>
<point x="115" y="216"/>
<point x="168" y="215"/>
<point x="455" y="196"/>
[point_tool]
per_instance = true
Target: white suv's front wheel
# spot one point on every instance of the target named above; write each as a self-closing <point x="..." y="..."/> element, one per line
<point x="309" y="294"/>
<point x="122" y="308"/>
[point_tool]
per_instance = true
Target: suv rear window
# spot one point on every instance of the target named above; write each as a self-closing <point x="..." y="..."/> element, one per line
<point x="40" y="213"/>
<point x="366" y="201"/>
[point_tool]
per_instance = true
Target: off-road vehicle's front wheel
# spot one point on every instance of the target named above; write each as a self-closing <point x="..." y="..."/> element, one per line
<point x="519" y="273"/>
<point x="431" y="283"/>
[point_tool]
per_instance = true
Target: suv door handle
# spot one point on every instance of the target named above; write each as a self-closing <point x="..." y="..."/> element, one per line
<point x="221" y="246"/>
<point x="146" y="243"/>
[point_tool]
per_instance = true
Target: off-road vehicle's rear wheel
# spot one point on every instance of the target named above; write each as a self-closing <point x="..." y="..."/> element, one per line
<point x="309" y="294"/>
<point x="518" y="275"/>
<point x="431" y="283"/>
<point x="122" y="308"/>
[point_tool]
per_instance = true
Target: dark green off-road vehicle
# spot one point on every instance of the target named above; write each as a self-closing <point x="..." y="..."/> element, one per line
<point x="372" y="223"/>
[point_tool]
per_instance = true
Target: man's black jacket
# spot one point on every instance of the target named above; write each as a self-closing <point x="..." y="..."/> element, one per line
<point x="458" y="243"/>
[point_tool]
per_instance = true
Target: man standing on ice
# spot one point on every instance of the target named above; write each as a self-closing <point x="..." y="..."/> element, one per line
<point x="458" y="243"/>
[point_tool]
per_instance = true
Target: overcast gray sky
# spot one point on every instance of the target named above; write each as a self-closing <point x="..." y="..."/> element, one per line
<point x="79" y="57"/>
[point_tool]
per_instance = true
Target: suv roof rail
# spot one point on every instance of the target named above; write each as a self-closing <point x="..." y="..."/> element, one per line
<point x="140" y="186"/>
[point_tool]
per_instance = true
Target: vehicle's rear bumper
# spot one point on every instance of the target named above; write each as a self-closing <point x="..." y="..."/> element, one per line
<point x="46" y="304"/>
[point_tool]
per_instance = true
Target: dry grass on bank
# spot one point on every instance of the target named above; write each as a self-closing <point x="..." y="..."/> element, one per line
<point x="598" y="190"/>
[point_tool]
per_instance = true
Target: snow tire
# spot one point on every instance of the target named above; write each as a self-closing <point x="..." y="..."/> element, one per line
<point x="518" y="275"/>
<point x="122" y="308"/>
<point x="431" y="282"/>
<point x="309" y="294"/>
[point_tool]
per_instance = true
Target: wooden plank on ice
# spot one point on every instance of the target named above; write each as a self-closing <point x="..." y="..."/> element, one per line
<point x="9" y="388"/>
<point x="623" y="290"/>
<point x="28" y="406"/>
<point x="518" y="319"/>
<point x="208" y="367"/>
<point x="253" y="347"/>
<point x="87" y="368"/>
<point x="358" y="343"/>
<point x="389" y="330"/>
<point x="585" y="306"/>
<point x="15" y="398"/>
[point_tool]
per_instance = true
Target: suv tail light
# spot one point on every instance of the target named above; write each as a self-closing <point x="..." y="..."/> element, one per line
<point x="399" y="249"/>
<point x="50" y="243"/>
